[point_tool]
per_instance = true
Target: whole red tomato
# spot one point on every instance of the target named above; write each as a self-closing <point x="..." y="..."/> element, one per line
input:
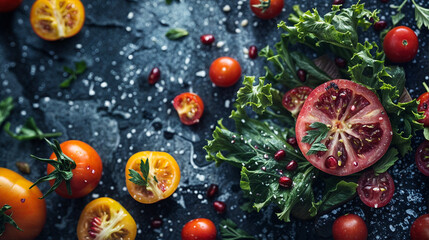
<point x="9" y="5"/>
<point x="266" y="9"/>
<point x="199" y="229"/>
<point x="420" y="228"/>
<point x="225" y="71"/>
<point x="400" y="44"/>
<point x="349" y="227"/>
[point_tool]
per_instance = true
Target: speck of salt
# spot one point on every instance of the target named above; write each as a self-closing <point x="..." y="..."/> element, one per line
<point x="226" y="8"/>
<point x="164" y="48"/>
<point x="130" y="15"/>
<point x="220" y="44"/>
<point x="103" y="85"/>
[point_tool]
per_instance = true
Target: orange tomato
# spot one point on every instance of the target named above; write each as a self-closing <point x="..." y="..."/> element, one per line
<point x="57" y="19"/>
<point x="28" y="211"/>
<point x="105" y="218"/>
<point x="163" y="176"/>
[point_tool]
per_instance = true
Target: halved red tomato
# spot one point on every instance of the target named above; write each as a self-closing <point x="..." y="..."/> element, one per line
<point x="359" y="131"/>
<point x="189" y="106"/>
<point x="422" y="158"/>
<point x="295" y="98"/>
<point x="375" y="191"/>
<point x="424" y="108"/>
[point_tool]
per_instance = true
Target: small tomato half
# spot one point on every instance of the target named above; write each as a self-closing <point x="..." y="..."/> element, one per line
<point x="27" y="210"/>
<point x="189" y="107"/>
<point x="163" y="176"/>
<point x="105" y="218"/>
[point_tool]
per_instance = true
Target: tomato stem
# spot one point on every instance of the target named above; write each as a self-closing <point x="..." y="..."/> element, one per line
<point x="426" y="86"/>
<point x="4" y="218"/>
<point x="264" y="5"/>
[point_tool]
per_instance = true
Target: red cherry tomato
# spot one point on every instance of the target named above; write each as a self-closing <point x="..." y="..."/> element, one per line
<point x="375" y="190"/>
<point x="295" y="98"/>
<point x="199" y="229"/>
<point x="349" y="227"/>
<point x="420" y="228"/>
<point x="190" y="107"/>
<point x="400" y="44"/>
<point x="225" y="71"/>
<point x="422" y="158"/>
<point x="424" y="108"/>
<point x="266" y="9"/>
<point x="9" y="5"/>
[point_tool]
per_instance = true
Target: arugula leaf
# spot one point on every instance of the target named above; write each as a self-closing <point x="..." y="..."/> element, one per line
<point x="421" y="14"/>
<point x="29" y="131"/>
<point x="80" y="68"/>
<point x="6" y="106"/>
<point x="230" y="231"/>
<point x="318" y="132"/>
<point x="176" y="33"/>
<point x="137" y="178"/>
<point x="4" y="218"/>
<point x="399" y="16"/>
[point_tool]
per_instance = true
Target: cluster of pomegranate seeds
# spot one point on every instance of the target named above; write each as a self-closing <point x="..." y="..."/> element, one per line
<point x="285" y="181"/>
<point x="219" y="206"/>
<point x="380" y="25"/>
<point x="253" y="52"/>
<point x="154" y="75"/>
<point x="156" y="223"/>
<point x="280" y="155"/>
<point x="292" y="165"/>
<point x="212" y="190"/>
<point x="302" y="75"/>
<point x="292" y="141"/>
<point x="207" y="39"/>
<point x="338" y="2"/>
<point x="340" y="62"/>
<point x="95" y="227"/>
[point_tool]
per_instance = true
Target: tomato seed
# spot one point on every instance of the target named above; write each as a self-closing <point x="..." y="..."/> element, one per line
<point x="96" y="221"/>
<point x="338" y="2"/>
<point x="156" y="223"/>
<point x="302" y="75"/>
<point x="292" y="165"/>
<point x="253" y="52"/>
<point x="207" y="39"/>
<point x="285" y="182"/>
<point x="331" y="162"/>
<point x="280" y="155"/>
<point x="380" y="25"/>
<point x="340" y="62"/>
<point x="212" y="190"/>
<point x="154" y="75"/>
<point x="219" y="206"/>
<point x="292" y="141"/>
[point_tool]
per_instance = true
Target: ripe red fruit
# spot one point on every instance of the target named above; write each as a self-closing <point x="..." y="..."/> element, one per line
<point x="380" y="25"/>
<point x="253" y="52"/>
<point x="156" y="223"/>
<point x="207" y="39"/>
<point x="219" y="206"/>
<point x="154" y="75"/>
<point x="292" y="141"/>
<point x="212" y="190"/>
<point x="338" y="2"/>
<point x="302" y="75"/>
<point x="292" y="165"/>
<point x="280" y="155"/>
<point x="285" y="182"/>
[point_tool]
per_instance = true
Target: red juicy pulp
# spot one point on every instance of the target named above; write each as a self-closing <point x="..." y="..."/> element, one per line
<point x="295" y="98"/>
<point x="422" y="158"/>
<point x="375" y="191"/>
<point x="360" y="131"/>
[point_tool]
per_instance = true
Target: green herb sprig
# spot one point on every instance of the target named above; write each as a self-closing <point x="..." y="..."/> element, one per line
<point x="230" y="231"/>
<point x="80" y="68"/>
<point x="29" y="131"/>
<point x="138" y="179"/>
<point x="6" y="106"/>
<point x="314" y="137"/>
<point x="4" y="218"/>
<point x="176" y="33"/>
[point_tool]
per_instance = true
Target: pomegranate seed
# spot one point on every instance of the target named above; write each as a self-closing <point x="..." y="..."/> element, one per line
<point x="292" y="165"/>
<point x="337" y="2"/>
<point x="292" y="141"/>
<point x="154" y="75"/>
<point x="384" y="1"/>
<point x="280" y="154"/>
<point x="285" y="182"/>
<point x="253" y="52"/>
<point x="207" y="39"/>
<point x="331" y="162"/>
<point x="380" y="25"/>
<point x="340" y="62"/>
<point x="302" y="75"/>
<point x="96" y="221"/>
<point x="156" y="223"/>
<point x="212" y="190"/>
<point x="219" y="206"/>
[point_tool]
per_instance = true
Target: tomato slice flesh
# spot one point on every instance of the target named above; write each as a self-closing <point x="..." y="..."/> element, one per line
<point x="359" y="129"/>
<point x="295" y="98"/>
<point x="375" y="191"/>
<point x="422" y="158"/>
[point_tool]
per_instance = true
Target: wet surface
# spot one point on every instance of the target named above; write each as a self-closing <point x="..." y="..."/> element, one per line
<point x="113" y="108"/>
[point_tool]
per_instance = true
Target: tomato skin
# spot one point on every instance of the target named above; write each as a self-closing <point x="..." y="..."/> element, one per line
<point x="9" y="5"/>
<point x="190" y="107"/>
<point x="163" y="166"/>
<point x="111" y="210"/>
<point x="420" y="228"/>
<point x="349" y="227"/>
<point x="422" y="162"/>
<point x="273" y="11"/>
<point x="401" y="44"/>
<point x="225" y="71"/>
<point x="199" y="229"/>
<point x="424" y="108"/>
<point x="87" y="173"/>
<point x="28" y="211"/>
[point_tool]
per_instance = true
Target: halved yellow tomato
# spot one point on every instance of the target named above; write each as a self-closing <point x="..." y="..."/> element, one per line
<point x="105" y="219"/>
<point x="57" y="19"/>
<point x="153" y="181"/>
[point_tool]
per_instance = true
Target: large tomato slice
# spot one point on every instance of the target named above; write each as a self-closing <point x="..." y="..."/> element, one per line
<point x="359" y="128"/>
<point x="163" y="176"/>
<point x="57" y="19"/>
<point x="105" y="218"/>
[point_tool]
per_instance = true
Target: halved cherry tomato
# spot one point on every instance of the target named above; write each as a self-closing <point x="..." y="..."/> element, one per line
<point x="266" y="9"/>
<point x="295" y="98"/>
<point x="349" y="226"/>
<point x="9" y="5"/>
<point x="420" y="228"/>
<point x="163" y="176"/>
<point x="375" y="190"/>
<point x="225" y="71"/>
<point x="199" y="229"/>
<point x="28" y="210"/>
<point x="105" y="218"/>
<point x="424" y="108"/>
<point x="422" y="158"/>
<point x="189" y="106"/>
<point x="401" y="44"/>
<point x="57" y="19"/>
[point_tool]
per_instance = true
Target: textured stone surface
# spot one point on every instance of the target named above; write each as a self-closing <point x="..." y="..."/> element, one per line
<point x="113" y="108"/>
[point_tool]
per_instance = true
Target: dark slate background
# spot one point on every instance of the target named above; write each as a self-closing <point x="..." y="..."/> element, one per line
<point x="113" y="108"/>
